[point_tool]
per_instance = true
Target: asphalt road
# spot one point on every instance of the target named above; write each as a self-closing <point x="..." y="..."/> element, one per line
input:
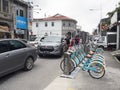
<point x="83" y="81"/>
<point x="46" y="72"/>
<point x="46" y="69"/>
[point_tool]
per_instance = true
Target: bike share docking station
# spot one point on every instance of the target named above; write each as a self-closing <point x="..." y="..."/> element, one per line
<point x="66" y="63"/>
<point x="93" y="63"/>
<point x="68" y="69"/>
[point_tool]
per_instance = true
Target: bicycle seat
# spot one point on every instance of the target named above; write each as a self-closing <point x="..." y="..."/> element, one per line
<point x="91" y="52"/>
<point x="88" y="56"/>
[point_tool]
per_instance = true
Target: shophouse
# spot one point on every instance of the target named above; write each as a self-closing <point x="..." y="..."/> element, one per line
<point x="15" y="16"/>
<point x="5" y="18"/>
<point x="22" y="17"/>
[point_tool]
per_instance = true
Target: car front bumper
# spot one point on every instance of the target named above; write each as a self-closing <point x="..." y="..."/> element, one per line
<point x="49" y="52"/>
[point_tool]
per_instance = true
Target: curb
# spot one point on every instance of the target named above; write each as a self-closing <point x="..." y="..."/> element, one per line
<point x="116" y="59"/>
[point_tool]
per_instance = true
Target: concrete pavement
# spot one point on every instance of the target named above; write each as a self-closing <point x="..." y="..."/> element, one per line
<point x="82" y="80"/>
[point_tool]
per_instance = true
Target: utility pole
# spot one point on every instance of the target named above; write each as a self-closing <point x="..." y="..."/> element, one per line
<point x="100" y="24"/>
<point x="118" y="35"/>
<point x="29" y="19"/>
<point x="13" y="16"/>
<point x="100" y="17"/>
<point x="118" y="29"/>
<point x="37" y="20"/>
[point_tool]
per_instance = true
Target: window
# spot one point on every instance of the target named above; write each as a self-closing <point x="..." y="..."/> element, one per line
<point x="4" y="46"/>
<point x="16" y="12"/>
<point x="69" y="24"/>
<point x="21" y="13"/>
<point x="5" y="6"/>
<point x="52" y="24"/>
<point x="16" y="45"/>
<point x="46" y="24"/>
<point x="63" y="24"/>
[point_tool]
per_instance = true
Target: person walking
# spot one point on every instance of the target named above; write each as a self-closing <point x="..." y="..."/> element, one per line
<point x="67" y="43"/>
<point x="77" y="41"/>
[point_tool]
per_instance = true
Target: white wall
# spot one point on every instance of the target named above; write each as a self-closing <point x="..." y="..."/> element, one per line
<point x="57" y="29"/>
<point x="53" y="30"/>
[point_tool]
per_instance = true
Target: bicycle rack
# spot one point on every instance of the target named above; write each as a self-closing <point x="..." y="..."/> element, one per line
<point x="69" y="64"/>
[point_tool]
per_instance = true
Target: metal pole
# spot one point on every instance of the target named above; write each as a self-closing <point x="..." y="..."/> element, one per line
<point x="13" y="24"/>
<point x="37" y="22"/>
<point x="100" y="17"/>
<point x="37" y="28"/>
<point x="100" y="9"/>
<point x="28" y="37"/>
<point x="118" y="33"/>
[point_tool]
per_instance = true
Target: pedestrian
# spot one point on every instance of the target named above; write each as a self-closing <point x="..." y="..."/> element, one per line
<point x="67" y="42"/>
<point x="77" y="41"/>
<point x="71" y="46"/>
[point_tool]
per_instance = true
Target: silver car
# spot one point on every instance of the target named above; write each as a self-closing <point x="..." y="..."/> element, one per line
<point x="51" y="45"/>
<point x="15" y="55"/>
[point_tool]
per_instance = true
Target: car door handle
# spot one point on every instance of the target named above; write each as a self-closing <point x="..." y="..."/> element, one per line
<point x="7" y="55"/>
<point x="24" y="50"/>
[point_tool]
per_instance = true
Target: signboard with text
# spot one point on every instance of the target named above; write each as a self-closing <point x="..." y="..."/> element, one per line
<point x="21" y="22"/>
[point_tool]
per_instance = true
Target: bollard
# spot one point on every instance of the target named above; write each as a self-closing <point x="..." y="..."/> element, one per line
<point x="66" y="63"/>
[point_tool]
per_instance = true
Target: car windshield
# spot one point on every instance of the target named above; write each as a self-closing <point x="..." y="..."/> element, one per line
<point x="52" y="39"/>
<point x="37" y="39"/>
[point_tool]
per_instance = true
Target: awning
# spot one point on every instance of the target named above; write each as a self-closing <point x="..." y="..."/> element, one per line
<point x="1" y="30"/>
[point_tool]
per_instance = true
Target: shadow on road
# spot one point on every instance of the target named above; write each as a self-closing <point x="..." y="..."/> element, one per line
<point x="8" y="76"/>
<point x="50" y="57"/>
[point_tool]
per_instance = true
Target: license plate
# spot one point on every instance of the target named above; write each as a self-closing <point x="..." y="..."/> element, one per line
<point x="46" y="52"/>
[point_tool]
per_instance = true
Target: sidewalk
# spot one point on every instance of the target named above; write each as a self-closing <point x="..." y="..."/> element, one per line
<point x="63" y="83"/>
<point x="82" y="80"/>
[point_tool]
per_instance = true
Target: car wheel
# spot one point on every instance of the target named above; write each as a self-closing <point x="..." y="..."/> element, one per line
<point x="28" y="64"/>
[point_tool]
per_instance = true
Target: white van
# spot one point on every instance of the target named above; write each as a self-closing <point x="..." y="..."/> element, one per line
<point x="101" y="42"/>
<point x="109" y="40"/>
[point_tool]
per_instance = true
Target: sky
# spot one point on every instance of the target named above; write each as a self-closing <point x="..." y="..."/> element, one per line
<point x="76" y="9"/>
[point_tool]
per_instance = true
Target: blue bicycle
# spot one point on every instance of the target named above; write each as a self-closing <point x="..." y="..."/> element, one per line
<point x="95" y="68"/>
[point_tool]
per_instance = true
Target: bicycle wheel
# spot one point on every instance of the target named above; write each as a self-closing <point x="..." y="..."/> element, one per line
<point x="97" y="70"/>
<point x="63" y="65"/>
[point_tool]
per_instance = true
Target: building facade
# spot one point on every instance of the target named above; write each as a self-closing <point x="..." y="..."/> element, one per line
<point x="5" y="18"/>
<point x="22" y="16"/>
<point x="15" y="18"/>
<point x="54" y="25"/>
